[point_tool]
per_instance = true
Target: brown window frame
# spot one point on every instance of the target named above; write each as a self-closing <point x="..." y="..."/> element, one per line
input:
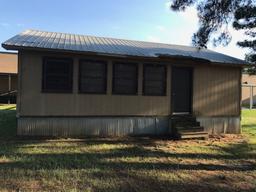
<point x="105" y="78"/>
<point x="69" y="62"/>
<point x="114" y="78"/>
<point x="145" y="65"/>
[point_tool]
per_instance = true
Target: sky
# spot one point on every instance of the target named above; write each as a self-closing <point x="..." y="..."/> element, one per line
<point x="146" y="20"/>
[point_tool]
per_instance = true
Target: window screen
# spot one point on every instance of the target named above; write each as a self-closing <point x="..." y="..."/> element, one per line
<point x="125" y="78"/>
<point x="154" y="80"/>
<point x="93" y="77"/>
<point x="57" y="75"/>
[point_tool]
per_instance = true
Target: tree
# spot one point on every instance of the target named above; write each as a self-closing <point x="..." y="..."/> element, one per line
<point x="245" y="18"/>
<point x="215" y="17"/>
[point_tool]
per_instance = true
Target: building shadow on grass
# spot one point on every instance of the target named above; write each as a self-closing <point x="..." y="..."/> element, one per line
<point x="110" y="159"/>
<point x="126" y="164"/>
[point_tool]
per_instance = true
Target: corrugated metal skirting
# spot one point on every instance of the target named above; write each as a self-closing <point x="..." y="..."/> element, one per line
<point x="92" y="126"/>
<point x="218" y="125"/>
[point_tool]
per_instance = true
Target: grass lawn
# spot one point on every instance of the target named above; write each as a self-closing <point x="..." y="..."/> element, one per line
<point x="129" y="164"/>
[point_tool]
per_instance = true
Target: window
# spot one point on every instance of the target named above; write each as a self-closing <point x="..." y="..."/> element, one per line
<point x="154" y="80"/>
<point x="125" y="78"/>
<point x="57" y="75"/>
<point x="92" y="77"/>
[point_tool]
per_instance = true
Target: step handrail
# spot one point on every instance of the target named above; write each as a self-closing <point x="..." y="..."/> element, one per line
<point x="8" y="93"/>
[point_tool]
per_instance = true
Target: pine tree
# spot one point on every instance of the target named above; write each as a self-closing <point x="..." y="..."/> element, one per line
<point x="245" y="18"/>
<point x="215" y="16"/>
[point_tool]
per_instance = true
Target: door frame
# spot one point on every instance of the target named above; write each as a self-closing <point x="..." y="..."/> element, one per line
<point x="191" y="90"/>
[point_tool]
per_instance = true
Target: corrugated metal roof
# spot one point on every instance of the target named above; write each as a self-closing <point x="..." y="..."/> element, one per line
<point x="82" y="43"/>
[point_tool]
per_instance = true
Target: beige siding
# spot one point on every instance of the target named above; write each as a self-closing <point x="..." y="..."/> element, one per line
<point x="216" y="91"/>
<point x="35" y="103"/>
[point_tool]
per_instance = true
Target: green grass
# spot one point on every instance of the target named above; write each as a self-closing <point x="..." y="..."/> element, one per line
<point x="249" y="124"/>
<point x="129" y="164"/>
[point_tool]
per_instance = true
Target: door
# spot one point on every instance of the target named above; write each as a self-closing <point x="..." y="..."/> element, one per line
<point x="181" y="90"/>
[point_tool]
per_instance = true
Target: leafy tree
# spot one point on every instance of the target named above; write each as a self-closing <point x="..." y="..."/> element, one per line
<point x="215" y="16"/>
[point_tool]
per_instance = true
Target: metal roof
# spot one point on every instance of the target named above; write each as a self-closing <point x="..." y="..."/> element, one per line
<point x="35" y="39"/>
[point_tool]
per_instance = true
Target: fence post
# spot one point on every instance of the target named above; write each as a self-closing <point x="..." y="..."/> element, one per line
<point x="251" y="97"/>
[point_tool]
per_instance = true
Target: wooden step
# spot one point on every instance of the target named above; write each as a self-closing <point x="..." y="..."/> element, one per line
<point x="192" y="132"/>
<point x="186" y="125"/>
<point x="190" y="129"/>
<point x="183" y="116"/>
<point x="192" y="135"/>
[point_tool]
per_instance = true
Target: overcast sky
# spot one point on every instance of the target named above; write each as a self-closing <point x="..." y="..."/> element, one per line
<point x="147" y="20"/>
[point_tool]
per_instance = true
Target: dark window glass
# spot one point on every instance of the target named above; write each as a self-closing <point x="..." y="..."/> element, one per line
<point x="93" y="77"/>
<point x="154" y="80"/>
<point x="125" y="78"/>
<point x="57" y="75"/>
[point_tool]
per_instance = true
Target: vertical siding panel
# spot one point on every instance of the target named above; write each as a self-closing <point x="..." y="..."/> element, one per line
<point x="227" y="91"/>
<point x="196" y="94"/>
<point x="204" y="91"/>
<point x="216" y="91"/>
<point x="221" y="88"/>
<point x="204" y="87"/>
